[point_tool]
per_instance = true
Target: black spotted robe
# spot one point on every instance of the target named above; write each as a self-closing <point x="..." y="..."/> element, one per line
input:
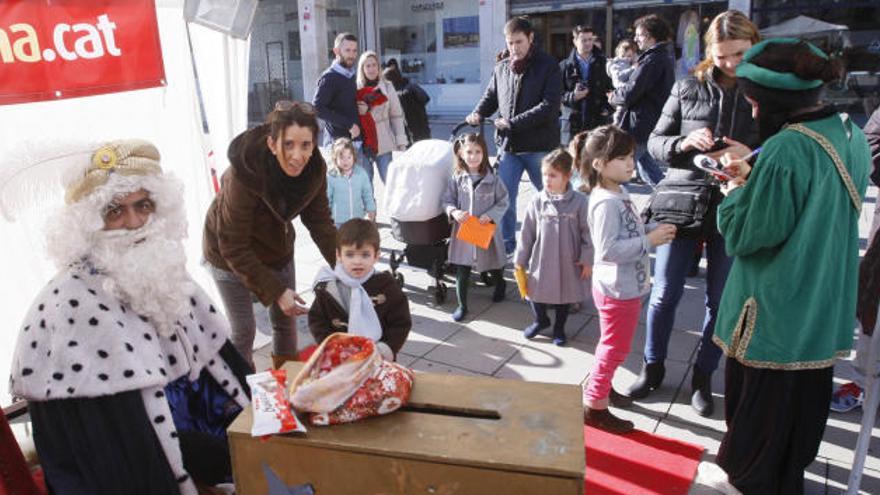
<point x="94" y="373"/>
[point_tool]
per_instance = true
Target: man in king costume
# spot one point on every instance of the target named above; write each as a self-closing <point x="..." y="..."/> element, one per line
<point x="125" y="361"/>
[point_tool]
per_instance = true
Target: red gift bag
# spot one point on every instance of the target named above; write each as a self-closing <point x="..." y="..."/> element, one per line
<point x="346" y="379"/>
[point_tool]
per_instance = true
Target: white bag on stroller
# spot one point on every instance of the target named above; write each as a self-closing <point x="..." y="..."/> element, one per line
<point x="416" y="181"/>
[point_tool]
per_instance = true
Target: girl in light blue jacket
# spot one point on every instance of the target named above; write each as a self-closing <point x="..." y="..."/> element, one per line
<point x="348" y="187"/>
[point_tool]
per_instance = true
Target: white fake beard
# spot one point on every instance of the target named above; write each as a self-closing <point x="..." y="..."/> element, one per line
<point x="146" y="268"/>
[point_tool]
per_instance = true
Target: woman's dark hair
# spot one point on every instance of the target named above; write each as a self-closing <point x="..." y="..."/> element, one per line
<point x="558" y="160"/>
<point x="288" y="113"/>
<point x="604" y="143"/>
<point x="518" y="24"/>
<point x="461" y="142"/>
<point x="394" y="76"/>
<point x="655" y="25"/>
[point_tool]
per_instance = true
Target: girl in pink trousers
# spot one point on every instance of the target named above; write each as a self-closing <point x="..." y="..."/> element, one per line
<point x="621" y="267"/>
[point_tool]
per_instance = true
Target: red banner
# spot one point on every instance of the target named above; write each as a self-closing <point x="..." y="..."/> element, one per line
<point x="52" y="49"/>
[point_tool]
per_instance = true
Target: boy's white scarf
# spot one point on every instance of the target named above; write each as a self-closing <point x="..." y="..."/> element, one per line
<point x="362" y="317"/>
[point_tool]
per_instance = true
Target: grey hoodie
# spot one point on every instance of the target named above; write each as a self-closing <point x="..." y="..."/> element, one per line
<point x="621" y="267"/>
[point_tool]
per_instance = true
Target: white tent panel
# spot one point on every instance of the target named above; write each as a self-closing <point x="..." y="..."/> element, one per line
<point x="168" y="116"/>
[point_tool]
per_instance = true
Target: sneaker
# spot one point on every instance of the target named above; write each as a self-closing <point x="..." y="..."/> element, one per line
<point x="604" y="420"/>
<point x="846" y="398"/>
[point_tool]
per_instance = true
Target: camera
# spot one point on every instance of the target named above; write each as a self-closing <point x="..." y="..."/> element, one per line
<point x="718" y="144"/>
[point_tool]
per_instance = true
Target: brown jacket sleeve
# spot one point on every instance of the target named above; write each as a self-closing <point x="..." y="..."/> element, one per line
<point x="318" y="218"/>
<point x="397" y="320"/>
<point x="237" y="210"/>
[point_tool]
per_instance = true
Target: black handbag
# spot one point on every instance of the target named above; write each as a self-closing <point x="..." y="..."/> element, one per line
<point x="684" y="198"/>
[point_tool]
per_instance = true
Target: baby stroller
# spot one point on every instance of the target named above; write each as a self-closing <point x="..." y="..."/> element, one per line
<point x="413" y="191"/>
<point x="414" y="188"/>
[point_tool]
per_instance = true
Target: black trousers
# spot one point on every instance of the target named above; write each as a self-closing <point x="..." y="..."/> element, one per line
<point x="775" y="422"/>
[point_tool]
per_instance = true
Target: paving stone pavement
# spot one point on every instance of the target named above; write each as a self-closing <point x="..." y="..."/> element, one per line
<point x="490" y="343"/>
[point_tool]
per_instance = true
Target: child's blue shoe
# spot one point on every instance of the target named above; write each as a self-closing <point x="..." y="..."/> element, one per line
<point x="459" y="313"/>
<point x="534" y="329"/>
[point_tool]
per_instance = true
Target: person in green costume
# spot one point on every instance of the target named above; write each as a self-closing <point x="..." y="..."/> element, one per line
<point x="791" y="223"/>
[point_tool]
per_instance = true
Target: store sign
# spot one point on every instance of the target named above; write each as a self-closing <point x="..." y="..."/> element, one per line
<point x="426" y="6"/>
<point x="52" y="49"/>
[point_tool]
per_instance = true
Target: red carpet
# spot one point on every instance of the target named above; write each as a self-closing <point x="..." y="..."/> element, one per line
<point x="638" y="463"/>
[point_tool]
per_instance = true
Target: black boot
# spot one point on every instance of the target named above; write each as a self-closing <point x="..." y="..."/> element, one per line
<point x="649" y="379"/>
<point x="559" y="338"/>
<point x="500" y="290"/>
<point x="604" y="420"/>
<point x="462" y="284"/>
<point x="701" y="400"/>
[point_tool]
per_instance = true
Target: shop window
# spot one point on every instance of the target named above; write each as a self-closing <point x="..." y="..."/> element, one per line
<point x="275" y="62"/>
<point x="434" y="42"/>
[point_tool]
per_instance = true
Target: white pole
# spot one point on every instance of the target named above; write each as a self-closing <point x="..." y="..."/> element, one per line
<point x="869" y="411"/>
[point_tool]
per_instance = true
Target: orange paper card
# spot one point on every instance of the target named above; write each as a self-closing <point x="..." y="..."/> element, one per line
<point x="473" y="232"/>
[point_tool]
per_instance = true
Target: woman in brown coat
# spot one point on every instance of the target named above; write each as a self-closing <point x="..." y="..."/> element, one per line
<point x="275" y="175"/>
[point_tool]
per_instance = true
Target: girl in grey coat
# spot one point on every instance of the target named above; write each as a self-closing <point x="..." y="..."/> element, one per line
<point x="474" y="190"/>
<point x="555" y="248"/>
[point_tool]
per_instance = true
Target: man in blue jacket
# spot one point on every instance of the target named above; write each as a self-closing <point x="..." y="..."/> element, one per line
<point x="643" y="96"/>
<point x="525" y="90"/>
<point x="336" y="93"/>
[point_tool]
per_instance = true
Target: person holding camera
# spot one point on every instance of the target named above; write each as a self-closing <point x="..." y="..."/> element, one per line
<point x="585" y="83"/>
<point x="705" y="114"/>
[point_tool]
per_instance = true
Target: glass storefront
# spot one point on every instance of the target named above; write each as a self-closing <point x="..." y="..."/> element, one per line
<point x="435" y="44"/>
<point x="275" y="70"/>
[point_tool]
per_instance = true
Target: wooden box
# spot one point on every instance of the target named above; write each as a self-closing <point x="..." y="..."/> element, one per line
<point x="459" y="435"/>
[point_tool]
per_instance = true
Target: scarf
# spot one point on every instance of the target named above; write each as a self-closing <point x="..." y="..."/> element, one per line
<point x="337" y="67"/>
<point x="519" y="66"/>
<point x="362" y="317"/>
<point x="373" y="97"/>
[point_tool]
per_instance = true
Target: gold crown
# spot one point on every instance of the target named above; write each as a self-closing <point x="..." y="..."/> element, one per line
<point x="126" y="157"/>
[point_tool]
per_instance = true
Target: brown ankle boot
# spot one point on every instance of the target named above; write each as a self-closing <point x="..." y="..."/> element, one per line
<point x="279" y="359"/>
<point x="604" y="420"/>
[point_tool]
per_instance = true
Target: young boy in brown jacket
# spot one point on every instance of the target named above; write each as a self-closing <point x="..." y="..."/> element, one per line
<point x="356" y="299"/>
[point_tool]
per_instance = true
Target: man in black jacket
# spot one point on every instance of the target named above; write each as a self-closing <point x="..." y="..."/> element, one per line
<point x="526" y="90"/>
<point x="336" y="94"/>
<point x="643" y="96"/>
<point x="585" y="83"/>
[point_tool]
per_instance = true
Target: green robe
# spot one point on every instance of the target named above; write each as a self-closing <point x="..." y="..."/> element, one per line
<point x="790" y="300"/>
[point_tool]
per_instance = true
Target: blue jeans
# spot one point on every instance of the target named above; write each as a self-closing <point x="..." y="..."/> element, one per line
<point x="367" y="159"/>
<point x="238" y="301"/>
<point x="670" y="269"/>
<point x="649" y="170"/>
<point x="510" y="169"/>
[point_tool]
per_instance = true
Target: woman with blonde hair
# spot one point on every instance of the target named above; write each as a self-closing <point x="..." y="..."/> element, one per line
<point x="384" y="129"/>
<point x="705" y="113"/>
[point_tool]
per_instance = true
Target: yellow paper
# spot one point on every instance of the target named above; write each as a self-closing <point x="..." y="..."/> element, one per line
<point x="522" y="282"/>
<point x="473" y="232"/>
